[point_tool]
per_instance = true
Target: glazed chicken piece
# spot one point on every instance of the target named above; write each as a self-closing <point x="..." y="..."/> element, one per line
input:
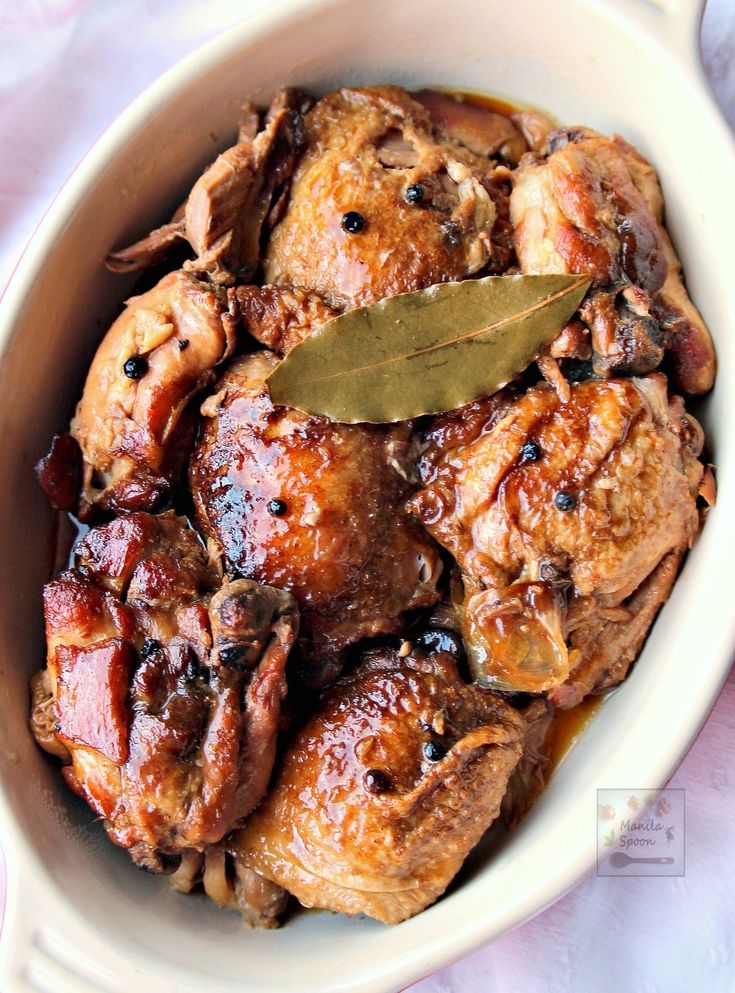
<point x="381" y="203"/>
<point x="604" y="645"/>
<point x="132" y="424"/>
<point x="311" y="506"/>
<point x="280" y="317"/>
<point x="530" y="776"/>
<point x="163" y="686"/>
<point x="536" y="129"/>
<point x="386" y="790"/>
<point x="594" y="205"/>
<point x="556" y="514"/>
<point x="478" y="128"/>
<point x="227" y="209"/>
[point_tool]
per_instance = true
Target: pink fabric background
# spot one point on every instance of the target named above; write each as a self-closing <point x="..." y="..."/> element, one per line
<point x="67" y="68"/>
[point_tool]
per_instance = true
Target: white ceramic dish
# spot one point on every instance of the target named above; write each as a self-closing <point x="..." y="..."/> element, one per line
<point x="79" y="917"/>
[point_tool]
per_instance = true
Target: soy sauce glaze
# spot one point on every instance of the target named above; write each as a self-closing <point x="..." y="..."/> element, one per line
<point x="484" y="100"/>
<point x="568" y="726"/>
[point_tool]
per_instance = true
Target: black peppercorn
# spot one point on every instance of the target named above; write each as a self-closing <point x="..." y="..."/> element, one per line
<point x="565" y="501"/>
<point x="277" y="507"/>
<point x="434" y="751"/>
<point x="353" y="222"/>
<point x="149" y="646"/>
<point x="194" y="670"/>
<point x="135" y="367"/>
<point x="414" y="193"/>
<point x="183" y="344"/>
<point x="57" y="727"/>
<point x="531" y="452"/>
<point x="376" y="781"/>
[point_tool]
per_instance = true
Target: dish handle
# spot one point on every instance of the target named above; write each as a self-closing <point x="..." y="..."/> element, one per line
<point x="47" y="947"/>
<point x="676" y="24"/>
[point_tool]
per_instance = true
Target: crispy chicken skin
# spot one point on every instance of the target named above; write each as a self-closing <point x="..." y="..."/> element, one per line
<point x="311" y="506"/>
<point x="162" y="689"/>
<point x="363" y="149"/>
<point x="132" y="431"/>
<point x="594" y="205"/>
<point x="556" y="513"/>
<point x="385" y="791"/>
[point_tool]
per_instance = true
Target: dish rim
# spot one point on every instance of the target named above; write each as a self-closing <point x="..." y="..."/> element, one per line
<point x="31" y="262"/>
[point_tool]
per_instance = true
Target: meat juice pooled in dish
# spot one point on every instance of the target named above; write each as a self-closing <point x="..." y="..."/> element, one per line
<point x="510" y="556"/>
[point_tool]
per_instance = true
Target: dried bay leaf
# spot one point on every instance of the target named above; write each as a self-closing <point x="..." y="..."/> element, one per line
<point x="428" y="351"/>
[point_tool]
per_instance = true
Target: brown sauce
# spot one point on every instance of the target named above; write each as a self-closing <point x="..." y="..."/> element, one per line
<point x="487" y="102"/>
<point x="568" y="726"/>
<point x="494" y="103"/>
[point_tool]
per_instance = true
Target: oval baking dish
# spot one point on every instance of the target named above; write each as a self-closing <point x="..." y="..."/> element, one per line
<point x="79" y="916"/>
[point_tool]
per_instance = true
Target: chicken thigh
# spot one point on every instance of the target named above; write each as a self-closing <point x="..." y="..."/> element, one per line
<point x="311" y="506"/>
<point x="557" y="513"/>
<point x="162" y="689"/>
<point x="386" y="790"/>
<point x="130" y="423"/>
<point x="594" y="205"/>
<point x="382" y="203"/>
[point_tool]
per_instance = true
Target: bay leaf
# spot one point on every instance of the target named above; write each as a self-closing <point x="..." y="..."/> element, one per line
<point x="427" y="351"/>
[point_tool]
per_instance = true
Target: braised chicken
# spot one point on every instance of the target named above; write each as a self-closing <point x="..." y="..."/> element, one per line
<point x="557" y="513"/>
<point x="313" y="507"/>
<point x="381" y="203"/>
<point x="520" y="546"/>
<point x="163" y="686"/>
<point x="131" y="423"/>
<point x="594" y="205"/>
<point x="603" y="643"/>
<point x="386" y="790"/>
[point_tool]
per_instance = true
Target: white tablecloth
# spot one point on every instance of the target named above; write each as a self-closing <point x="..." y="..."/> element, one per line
<point x="67" y="68"/>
